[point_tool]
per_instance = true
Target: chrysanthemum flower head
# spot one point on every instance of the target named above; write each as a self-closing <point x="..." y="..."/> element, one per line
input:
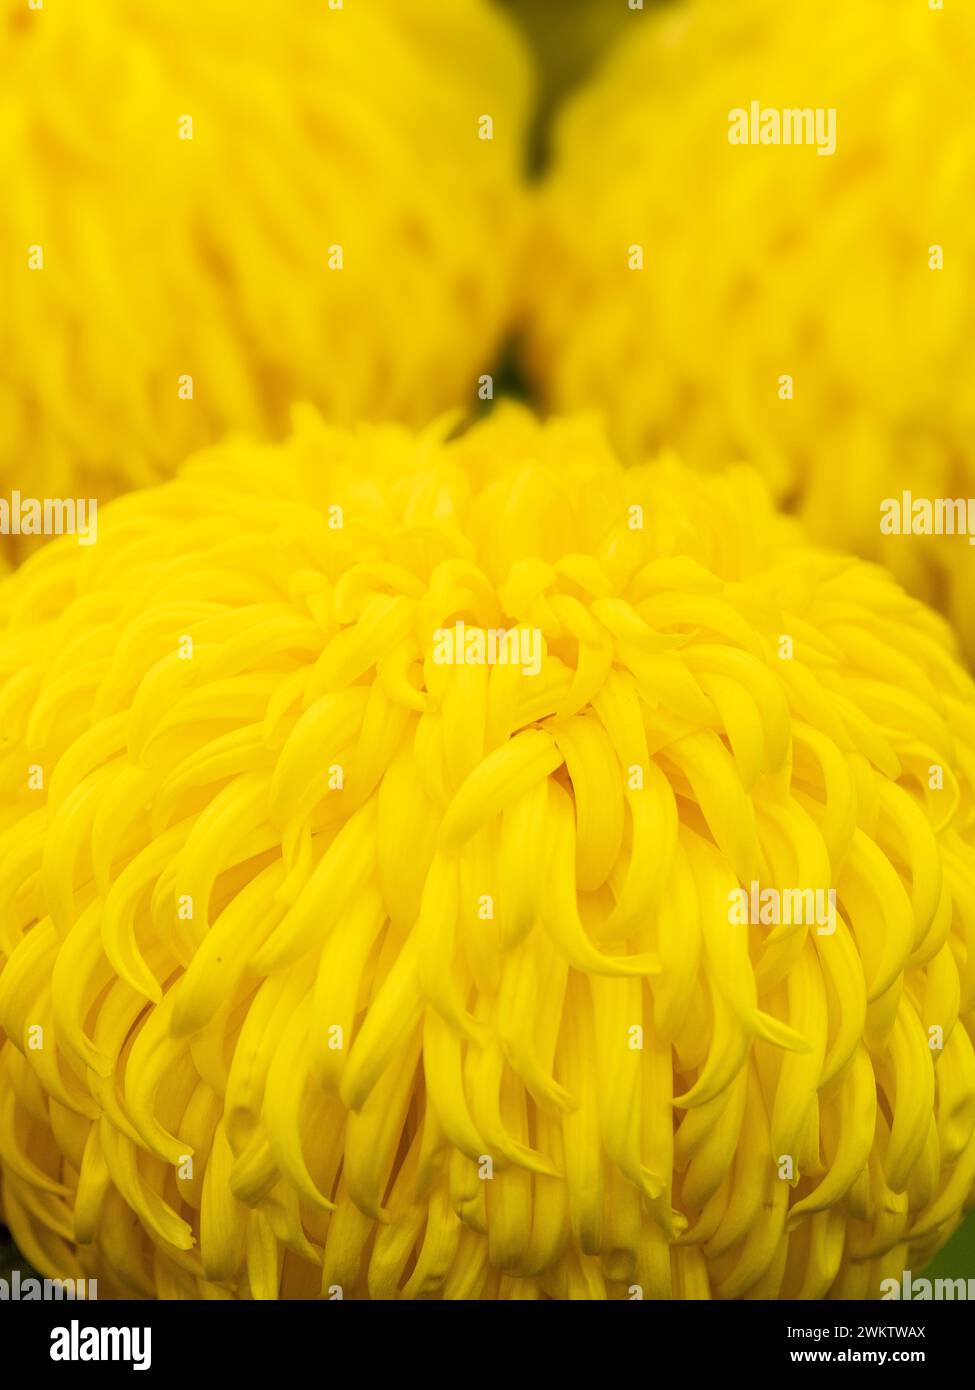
<point x="464" y="867"/>
<point x="803" y="309"/>
<point x="212" y="210"/>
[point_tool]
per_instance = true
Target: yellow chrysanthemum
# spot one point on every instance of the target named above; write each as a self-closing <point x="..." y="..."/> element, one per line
<point x="763" y="262"/>
<point x="334" y="961"/>
<point x="211" y="210"/>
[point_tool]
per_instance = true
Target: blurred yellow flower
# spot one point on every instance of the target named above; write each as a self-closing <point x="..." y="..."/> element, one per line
<point x="809" y="312"/>
<point x="213" y="209"/>
<point x="348" y="949"/>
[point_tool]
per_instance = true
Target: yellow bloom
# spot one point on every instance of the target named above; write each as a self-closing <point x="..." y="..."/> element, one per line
<point x="347" y="947"/>
<point x="770" y="270"/>
<point x="211" y="210"/>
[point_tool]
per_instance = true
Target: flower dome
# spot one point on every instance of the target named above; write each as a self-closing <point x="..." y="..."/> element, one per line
<point x="454" y="865"/>
<point x="212" y="211"/>
<point x="755" y="244"/>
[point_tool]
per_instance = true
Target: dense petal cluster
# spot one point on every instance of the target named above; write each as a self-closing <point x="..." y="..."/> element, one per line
<point x="334" y="962"/>
<point x="211" y="211"/>
<point x="762" y="262"/>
